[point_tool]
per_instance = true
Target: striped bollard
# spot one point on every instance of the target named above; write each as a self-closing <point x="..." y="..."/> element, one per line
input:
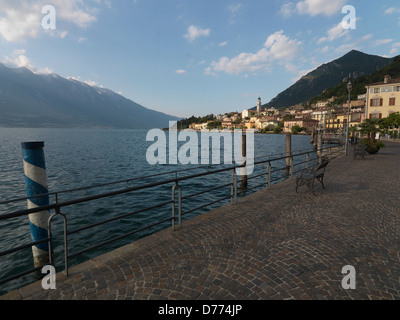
<point x="36" y="184"/>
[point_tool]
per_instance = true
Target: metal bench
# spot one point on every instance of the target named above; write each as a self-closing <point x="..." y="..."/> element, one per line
<point x="359" y="150"/>
<point x="308" y="176"/>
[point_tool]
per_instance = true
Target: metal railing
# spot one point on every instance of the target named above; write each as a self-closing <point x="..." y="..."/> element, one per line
<point x="264" y="177"/>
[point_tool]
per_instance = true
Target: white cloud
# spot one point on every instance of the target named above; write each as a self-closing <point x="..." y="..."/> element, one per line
<point x="93" y="83"/>
<point x="180" y="71"/>
<point x="234" y="10"/>
<point x="334" y="33"/>
<point x="317" y="7"/>
<point x="355" y="45"/>
<point x="288" y="9"/>
<point x="22" y="20"/>
<point x="281" y="47"/>
<point x="88" y="82"/>
<point x="63" y="34"/>
<point x="194" y="32"/>
<point x="19" y="51"/>
<point x="74" y="78"/>
<point x="223" y="44"/>
<point x="18" y="59"/>
<point x="325" y="49"/>
<point x="208" y="71"/>
<point x="395" y="48"/>
<point x="277" y="47"/>
<point x="382" y="42"/>
<point x="392" y="10"/>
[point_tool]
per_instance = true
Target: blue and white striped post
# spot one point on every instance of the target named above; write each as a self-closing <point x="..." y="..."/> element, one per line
<point x="36" y="184"/>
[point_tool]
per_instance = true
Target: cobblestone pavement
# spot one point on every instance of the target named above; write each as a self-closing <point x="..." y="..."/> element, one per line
<point x="274" y="244"/>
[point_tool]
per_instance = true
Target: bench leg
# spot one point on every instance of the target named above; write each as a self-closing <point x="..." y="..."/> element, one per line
<point x="322" y="182"/>
<point x="299" y="183"/>
<point x="312" y="187"/>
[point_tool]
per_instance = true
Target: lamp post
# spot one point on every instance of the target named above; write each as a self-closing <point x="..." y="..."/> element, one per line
<point x="349" y="88"/>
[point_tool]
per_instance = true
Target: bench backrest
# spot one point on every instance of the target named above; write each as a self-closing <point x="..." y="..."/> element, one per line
<point x="320" y="168"/>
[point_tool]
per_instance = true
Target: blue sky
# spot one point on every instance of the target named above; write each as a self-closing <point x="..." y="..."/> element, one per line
<point x="192" y="57"/>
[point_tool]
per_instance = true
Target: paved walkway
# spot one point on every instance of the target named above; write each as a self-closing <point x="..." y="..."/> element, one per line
<point x="274" y="244"/>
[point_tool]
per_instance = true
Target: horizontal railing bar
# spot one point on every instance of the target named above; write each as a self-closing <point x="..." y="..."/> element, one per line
<point x="256" y="176"/>
<point x="159" y="174"/>
<point x="281" y="169"/>
<point x="3" y="281"/>
<point x="278" y="179"/>
<point x="118" y="218"/>
<point x="102" y="185"/>
<point x="108" y="194"/>
<point x="205" y="191"/>
<point x="24" y="246"/>
<point x="118" y="238"/>
<point x="206" y="205"/>
<point x="255" y="187"/>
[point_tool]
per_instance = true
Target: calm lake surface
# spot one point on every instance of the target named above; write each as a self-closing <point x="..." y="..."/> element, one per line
<point x="87" y="157"/>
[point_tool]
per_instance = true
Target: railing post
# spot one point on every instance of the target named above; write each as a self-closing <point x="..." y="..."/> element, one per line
<point x="269" y="175"/>
<point x="179" y="206"/>
<point x="234" y="187"/>
<point x="174" y="187"/>
<point x="173" y="206"/>
<point x="65" y="245"/>
<point x="291" y="168"/>
<point x="308" y="161"/>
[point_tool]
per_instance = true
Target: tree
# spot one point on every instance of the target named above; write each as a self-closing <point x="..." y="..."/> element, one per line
<point x="393" y="121"/>
<point x="214" y="125"/>
<point x="288" y="117"/>
<point x="370" y="128"/>
<point x="297" y="129"/>
<point x="278" y="129"/>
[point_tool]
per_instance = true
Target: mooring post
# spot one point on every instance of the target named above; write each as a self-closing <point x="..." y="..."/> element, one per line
<point x="288" y="149"/>
<point x="243" y="184"/>
<point x="37" y="191"/>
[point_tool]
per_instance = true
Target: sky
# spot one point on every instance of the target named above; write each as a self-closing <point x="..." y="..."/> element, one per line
<point x="192" y="57"/>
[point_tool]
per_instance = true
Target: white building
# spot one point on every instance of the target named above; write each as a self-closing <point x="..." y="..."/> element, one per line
<point x="321" y="116"/>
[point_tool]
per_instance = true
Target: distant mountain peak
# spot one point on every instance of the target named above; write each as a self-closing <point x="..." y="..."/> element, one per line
<point x="327" y="75"/>
<point x="49" y="100"/>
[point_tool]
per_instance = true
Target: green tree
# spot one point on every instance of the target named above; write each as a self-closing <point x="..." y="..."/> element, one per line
<point x="214" y="125"/>
<point x="370" y="128"/>
<point x="392" y="121"/>
<point x="278" y="129"/>
<point x="297" y="129"/>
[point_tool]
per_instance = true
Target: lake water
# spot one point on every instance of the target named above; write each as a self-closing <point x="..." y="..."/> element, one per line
<point x="86" y="157"/>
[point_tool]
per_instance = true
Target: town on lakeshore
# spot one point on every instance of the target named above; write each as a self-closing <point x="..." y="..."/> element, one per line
<point x="379" y="101"/>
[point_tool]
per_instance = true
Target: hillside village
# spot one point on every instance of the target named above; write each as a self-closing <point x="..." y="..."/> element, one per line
<point x="379" y="101"/>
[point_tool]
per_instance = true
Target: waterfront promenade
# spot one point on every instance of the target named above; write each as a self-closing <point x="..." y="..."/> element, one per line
<point x="274" y="244"/>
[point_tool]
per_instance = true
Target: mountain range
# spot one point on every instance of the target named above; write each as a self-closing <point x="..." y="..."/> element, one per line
<point x="328" y="75"/>
<point x="48" y="100"/>
<point x="28" y="99"/>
